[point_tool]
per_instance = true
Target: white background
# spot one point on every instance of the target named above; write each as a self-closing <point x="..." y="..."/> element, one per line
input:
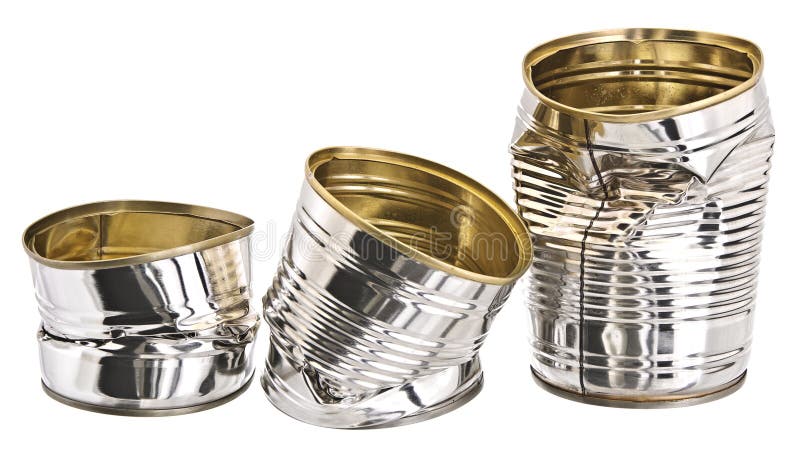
<point x="219" y="103"/>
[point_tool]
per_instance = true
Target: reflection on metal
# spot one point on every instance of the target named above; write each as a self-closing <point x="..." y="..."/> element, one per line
<point x="641" y="159"/>
<point x="145" y="306"/>
<point x="394" y="269"/>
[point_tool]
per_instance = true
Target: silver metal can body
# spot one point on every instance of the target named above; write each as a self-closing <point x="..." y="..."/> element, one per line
<point x="640" y="164"/>
<point x="366" y="332"/>
<point x="124" y="334"/>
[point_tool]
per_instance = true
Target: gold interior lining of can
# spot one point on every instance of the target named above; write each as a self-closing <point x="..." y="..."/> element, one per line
<point x="634" y="75"/>
<point x="118" y="233"/>
<point x="427" y="211"/>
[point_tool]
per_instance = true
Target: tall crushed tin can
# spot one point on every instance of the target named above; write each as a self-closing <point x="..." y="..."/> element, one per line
<point x="640" y="165"/>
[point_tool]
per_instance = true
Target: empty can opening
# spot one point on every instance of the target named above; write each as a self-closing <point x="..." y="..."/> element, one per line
<point x="638" y="71"/>
<point x="118" y="231"/>
<point x="415" y="204"/>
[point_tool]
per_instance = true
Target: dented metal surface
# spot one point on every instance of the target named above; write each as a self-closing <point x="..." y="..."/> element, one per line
<point x="145" y="306"/>
<point x="641" y="162"/>
<point x="394" y="270"/>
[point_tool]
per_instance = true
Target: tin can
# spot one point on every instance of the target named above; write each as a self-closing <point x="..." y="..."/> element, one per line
<point x="640" y="164"/>
<point x="145" y="306"/>
<point x="393" y="271"/>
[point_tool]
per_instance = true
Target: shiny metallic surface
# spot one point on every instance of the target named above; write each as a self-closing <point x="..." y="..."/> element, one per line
<point x="114" y="411"/>
<point x="145" y="306"/>
<point x="725" y="390"/>
<point x="641" y="161"/>
<point x="394" y="269"/>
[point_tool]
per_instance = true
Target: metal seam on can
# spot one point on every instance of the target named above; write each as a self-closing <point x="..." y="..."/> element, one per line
<point x="645" y="198"/>
<point x="145" y="306"/>
<point x="582" y="321"/>
<point x="373" y="325"/>
<point x="727" y="389"/>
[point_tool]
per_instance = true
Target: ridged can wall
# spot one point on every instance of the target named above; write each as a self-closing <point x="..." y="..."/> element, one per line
<point x="640" y="166"/>
<point x="394" y="269"/>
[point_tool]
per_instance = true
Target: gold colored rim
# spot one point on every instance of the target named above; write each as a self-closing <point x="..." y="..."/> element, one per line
<point x="509" y="217"/>
<point x="540" y="53"/>
<point x="243" y="224"/>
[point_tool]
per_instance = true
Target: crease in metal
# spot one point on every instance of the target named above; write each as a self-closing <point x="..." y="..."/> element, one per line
<point x="160" y="323"/>
<point x="660" y="285"/>
<point x="582" y="322"/>
<point x="363" y="333"/>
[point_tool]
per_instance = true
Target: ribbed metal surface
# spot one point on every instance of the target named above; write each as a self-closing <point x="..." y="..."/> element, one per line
<point x="646" y="244"/>
<point x="369" y="339"/>
<point x="364" y="334"/>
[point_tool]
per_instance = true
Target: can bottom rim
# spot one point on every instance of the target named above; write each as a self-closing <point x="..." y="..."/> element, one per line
<point x="431" y="412"/>
<point x="439" y="409"/>
<point x="137" y="412"/>
<point x="594" y="400"/>
<point x="287" y="388"/>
